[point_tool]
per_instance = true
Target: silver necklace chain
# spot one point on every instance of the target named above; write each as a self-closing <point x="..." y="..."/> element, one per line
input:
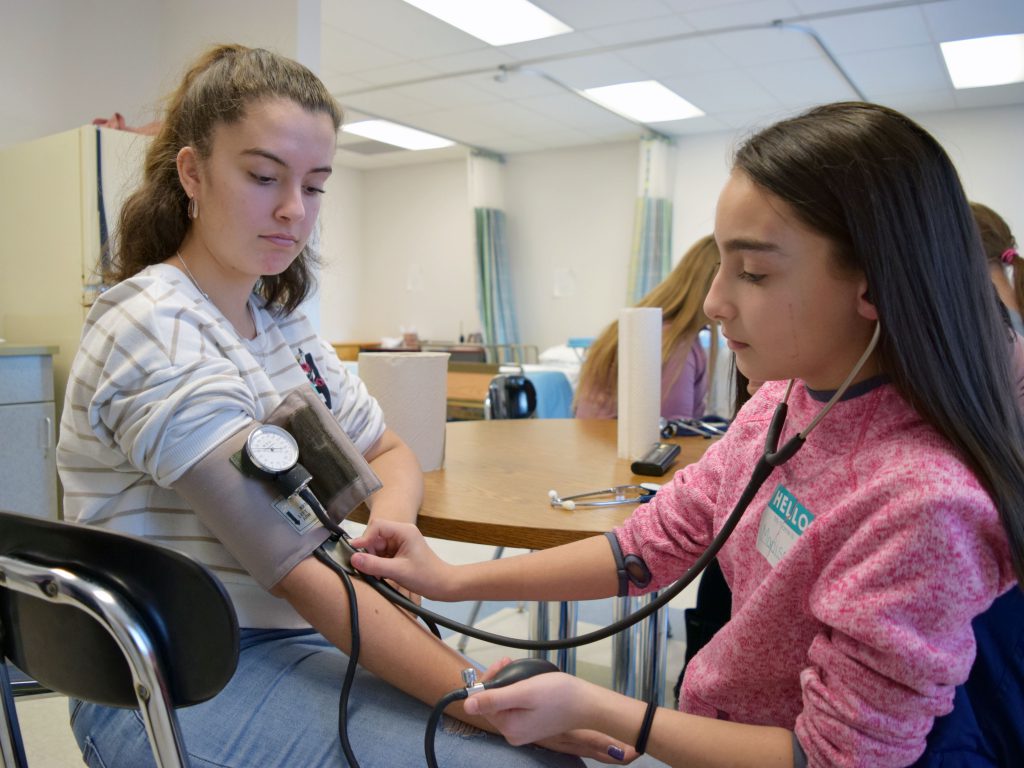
<point x="252" y="314"/>
<point x="192" y="277"/>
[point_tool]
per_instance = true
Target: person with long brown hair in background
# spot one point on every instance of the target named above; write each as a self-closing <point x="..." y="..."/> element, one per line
<point x="1001" y="253"/>
<point x="686" y="370"/>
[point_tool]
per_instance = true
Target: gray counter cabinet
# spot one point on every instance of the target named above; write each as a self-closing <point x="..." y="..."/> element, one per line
<point x="28" y="431"/>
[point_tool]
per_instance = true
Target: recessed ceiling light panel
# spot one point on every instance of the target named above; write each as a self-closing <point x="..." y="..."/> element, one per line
<point x="497" y="22"/>
<point x="984" y="61"/>
<point x="399" y="135"/>
<point x="647" y="101"/>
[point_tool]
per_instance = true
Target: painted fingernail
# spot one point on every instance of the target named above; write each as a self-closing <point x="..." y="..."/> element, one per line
<point x="616" y="752"/>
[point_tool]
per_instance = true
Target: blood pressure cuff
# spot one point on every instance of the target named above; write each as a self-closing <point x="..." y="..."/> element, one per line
<point x="268" y="534"/>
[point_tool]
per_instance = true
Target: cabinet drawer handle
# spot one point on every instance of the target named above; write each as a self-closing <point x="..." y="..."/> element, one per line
<point x="48" y="437"/>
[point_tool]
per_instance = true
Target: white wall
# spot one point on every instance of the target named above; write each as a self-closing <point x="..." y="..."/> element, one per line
<point x="988" y="151"/>
<point x="417" y="268"/>
<point x="570" y="216"/>
<point x="341" y="247"/>
<point x="985" y="144"/>
<point x="63" y="63"/>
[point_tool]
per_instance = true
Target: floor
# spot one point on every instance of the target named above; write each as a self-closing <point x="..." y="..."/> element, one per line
<point x="49" y="743"/>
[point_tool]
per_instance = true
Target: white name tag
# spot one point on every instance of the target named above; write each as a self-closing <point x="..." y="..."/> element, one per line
<point x="782" y="523"/>
<point x="297" y="513"/>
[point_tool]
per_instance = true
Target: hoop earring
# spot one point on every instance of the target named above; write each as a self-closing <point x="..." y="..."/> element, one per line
<point x="193" y="208"/>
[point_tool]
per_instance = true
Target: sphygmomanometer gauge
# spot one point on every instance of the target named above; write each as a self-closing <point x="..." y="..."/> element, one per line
<point x="271" y="450"/>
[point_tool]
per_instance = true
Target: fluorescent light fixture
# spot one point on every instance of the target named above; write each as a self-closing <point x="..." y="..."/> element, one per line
<point x="647" y="101"/>
<point x="983" y="61"/>
<point x="497" y="22"/>
<point x="398" y="135"/>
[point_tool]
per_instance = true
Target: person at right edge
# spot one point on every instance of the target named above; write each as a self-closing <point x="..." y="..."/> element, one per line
<point x="874" y="565"/>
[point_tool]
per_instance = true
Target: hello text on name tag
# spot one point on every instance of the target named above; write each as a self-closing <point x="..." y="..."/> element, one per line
<point x="782" y="523"/>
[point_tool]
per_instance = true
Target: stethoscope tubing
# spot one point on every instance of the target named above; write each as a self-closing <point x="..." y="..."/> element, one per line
<point x="771" y="457"/>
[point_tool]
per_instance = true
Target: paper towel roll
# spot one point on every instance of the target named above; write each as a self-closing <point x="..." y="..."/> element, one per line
<point x="639" y="395"/>
<point x="412" y="389"/>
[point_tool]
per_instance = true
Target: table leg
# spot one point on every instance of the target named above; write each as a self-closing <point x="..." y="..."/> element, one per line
<point x="567" y="615"/>
<point x="638" y="653"/>
<point x="540" y="629"/>
<point x="540" y="625"/>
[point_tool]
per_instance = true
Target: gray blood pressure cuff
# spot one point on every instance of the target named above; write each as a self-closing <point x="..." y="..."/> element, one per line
<point x="631" y="568"/>
<point x="268" y="534"/>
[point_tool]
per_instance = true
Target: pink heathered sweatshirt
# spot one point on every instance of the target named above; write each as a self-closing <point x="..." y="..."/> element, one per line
<point x="858" y="634"/>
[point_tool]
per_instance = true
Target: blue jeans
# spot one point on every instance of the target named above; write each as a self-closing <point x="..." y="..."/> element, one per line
<point x="281" y="709"/>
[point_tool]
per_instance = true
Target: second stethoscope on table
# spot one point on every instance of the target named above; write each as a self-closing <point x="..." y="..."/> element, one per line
<point x="607" y="497"/>
<point x="772" y="457"/>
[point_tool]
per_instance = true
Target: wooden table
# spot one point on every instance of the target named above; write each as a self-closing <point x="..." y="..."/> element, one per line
<point x="494" y="486"/>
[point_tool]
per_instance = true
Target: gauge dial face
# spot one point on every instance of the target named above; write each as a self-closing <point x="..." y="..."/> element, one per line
<point x="272" y="449"/>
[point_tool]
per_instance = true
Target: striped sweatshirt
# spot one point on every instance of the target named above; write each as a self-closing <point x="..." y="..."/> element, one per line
<point x="159" y="380"/>
<point x="855" y="575"/>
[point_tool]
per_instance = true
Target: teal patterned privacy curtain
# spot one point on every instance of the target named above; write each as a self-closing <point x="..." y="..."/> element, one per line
<point x="651" y="257"/>
<point x="495" y="297"/>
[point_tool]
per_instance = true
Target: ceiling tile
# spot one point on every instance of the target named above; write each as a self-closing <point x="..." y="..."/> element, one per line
<point x="587" y="15"/>
<point x="513" y="85"/>
<point x="489" y="58"/>
<point x="397" y="73"/>
<point x="724" y="15"/>
<point x="445" y="94"/>
<point x="676" y="58"/>
<point x="340" y="83"/>
<point x="802" y="83"/>
<point x="557" y="45"/>
<point x="919" y="101"/>
<point x="763" y="46"/>
<point x="592" y="71"/>
<point x="961" y="19"/>
<point x="722" y="91"/>
<point x="401" y="28"/>
<point x="831" y="6"/>
<point x="578" y="112"/>
<point x="872" y="31"/>
<point x="897" y="70"/>
<point x="748" y="120"/>
<point x="342" y="52"/>
<point x="647" y="29"/>
<point x="385" y="103"/>
<point x="692" y="125"/>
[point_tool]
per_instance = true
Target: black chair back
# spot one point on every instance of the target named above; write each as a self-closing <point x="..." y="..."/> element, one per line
<point x="183" y="607"/>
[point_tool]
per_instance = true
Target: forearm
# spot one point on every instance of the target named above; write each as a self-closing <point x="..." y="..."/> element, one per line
<point x="402" y="493"/>
<point x="582" y="570"/>
<point x="677" y="738"/>
<point x="393" y="645"/>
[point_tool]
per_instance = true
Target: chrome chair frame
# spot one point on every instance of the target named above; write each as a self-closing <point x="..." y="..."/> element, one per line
<point x="111" y="619"/>
<point x="113" y="613"/>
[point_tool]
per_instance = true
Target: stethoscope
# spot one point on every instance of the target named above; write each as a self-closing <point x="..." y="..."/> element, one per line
<point x="771" y="457"/>
<point x="607" y="497"/>
<point x="709" y="426"/>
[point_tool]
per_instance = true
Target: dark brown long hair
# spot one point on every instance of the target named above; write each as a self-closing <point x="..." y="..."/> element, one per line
<point x="218" y="88"/>
<point x="888" y="196"/>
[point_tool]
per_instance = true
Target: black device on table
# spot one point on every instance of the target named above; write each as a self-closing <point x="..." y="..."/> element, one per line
<point x="657" y="460"/>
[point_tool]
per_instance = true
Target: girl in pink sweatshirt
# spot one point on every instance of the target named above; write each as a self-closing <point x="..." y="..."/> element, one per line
<point x="860" y="564"/>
